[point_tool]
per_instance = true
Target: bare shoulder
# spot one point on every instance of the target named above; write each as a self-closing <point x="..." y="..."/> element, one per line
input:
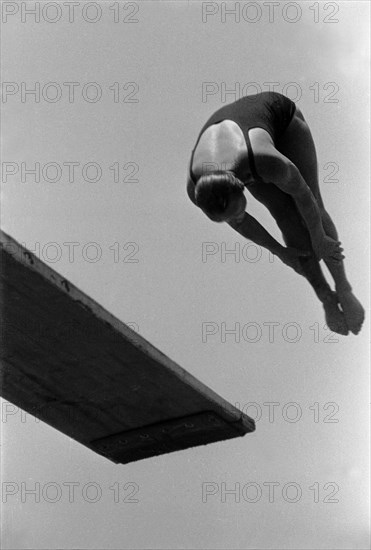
<point x="221" y="146"/>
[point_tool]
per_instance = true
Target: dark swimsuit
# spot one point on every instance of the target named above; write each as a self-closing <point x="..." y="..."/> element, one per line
<point x="269" y="110"/>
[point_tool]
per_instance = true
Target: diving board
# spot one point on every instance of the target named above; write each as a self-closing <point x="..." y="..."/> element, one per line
<point x="72" y="364"/>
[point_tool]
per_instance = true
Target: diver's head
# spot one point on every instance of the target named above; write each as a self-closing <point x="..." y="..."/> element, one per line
<point x="220" y="195"/>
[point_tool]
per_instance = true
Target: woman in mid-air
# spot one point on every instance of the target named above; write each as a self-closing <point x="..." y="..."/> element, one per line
<point x="262" y="143"/>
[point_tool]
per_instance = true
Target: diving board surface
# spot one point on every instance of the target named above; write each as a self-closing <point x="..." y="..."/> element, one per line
<point x="72" y="364"/>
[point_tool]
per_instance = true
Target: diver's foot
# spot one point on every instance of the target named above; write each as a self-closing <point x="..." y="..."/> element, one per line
<point x="353" y="310"/>
<point x="335" y="318"/>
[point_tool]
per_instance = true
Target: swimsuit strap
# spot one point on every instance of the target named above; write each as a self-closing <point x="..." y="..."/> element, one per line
<point x="250" y="155"/>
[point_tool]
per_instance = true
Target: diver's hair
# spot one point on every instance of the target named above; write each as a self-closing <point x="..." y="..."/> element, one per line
<point x="214" y="190"/>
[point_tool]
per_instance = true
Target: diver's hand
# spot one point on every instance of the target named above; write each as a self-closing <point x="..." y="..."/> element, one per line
<point x="328" y="249"/>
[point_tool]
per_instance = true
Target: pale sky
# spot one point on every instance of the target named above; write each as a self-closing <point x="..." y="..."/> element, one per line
<point x="172" y="67"/>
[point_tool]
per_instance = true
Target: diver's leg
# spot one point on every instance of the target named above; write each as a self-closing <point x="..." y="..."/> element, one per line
<point x="297" y="144"/>
<point x="296" y="235"/>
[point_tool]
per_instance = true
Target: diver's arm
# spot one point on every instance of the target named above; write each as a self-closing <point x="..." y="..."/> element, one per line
<point x="251" y="229"/>
<point x="279" y="170"/>
<point x="248" y="227"/>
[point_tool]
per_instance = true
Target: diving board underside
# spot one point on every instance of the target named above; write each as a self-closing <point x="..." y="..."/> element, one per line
<point x="70" y="363"/>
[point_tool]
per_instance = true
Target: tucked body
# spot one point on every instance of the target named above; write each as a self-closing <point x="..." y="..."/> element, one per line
<point x="263" y="144"/>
